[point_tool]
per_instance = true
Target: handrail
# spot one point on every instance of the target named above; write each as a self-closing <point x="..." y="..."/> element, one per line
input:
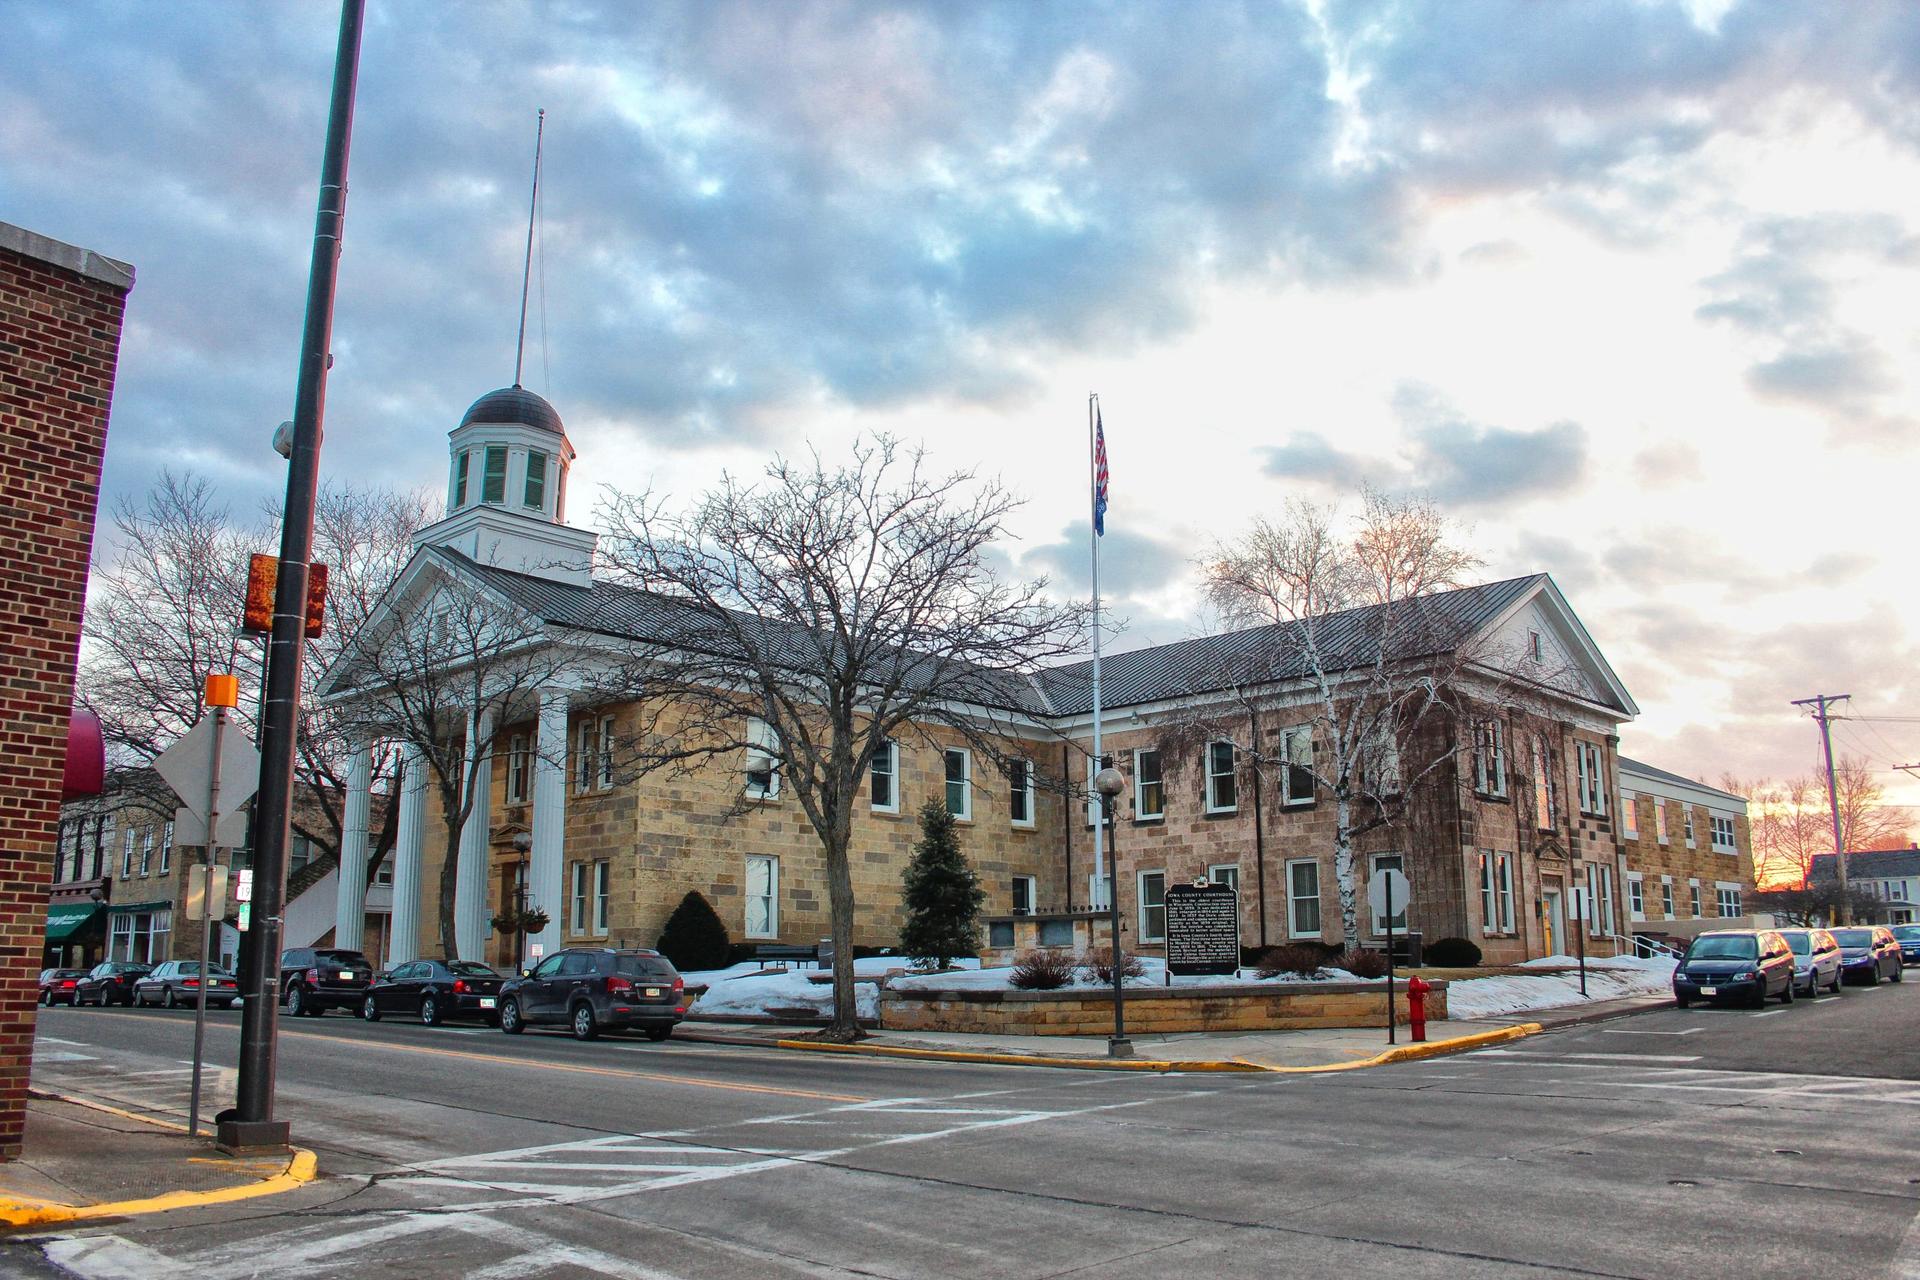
<point x="1637" y="941"/>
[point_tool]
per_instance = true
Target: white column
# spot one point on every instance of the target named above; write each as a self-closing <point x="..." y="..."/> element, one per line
<point x="350" y="900"/>
<point x="404" y="944"/>
<point x="476" y="847"/>
<point x="546" y="885"/>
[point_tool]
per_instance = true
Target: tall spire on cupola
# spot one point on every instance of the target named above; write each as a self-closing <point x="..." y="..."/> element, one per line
<point x="510" y="457"/>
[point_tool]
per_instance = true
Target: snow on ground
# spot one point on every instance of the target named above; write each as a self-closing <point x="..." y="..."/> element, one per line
<point x="1155" y="975"/>
<point x="1607" y="979"/>
<point x="776" y="993"/>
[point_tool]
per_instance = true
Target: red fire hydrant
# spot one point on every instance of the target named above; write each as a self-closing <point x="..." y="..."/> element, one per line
<point x="1417" y="988"/>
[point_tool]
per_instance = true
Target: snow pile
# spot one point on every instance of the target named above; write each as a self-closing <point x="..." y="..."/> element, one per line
<point x="1154" y="975"/>
<point x="1607" y="979"/>
<point x="776" y="993"/>
<point x="1663" y="964"/>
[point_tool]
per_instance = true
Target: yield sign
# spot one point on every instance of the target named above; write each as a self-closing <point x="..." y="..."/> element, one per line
<point x="187" y="767"/>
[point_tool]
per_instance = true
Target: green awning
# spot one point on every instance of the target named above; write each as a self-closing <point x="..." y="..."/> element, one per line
<point x="123" y="908"/>
<point x="64" y="919"/>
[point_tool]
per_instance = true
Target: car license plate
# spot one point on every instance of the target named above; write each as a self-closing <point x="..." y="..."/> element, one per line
<point x="1707" y="991"/>
<point x="653" y="993"/>
<point x="346" y="975"/>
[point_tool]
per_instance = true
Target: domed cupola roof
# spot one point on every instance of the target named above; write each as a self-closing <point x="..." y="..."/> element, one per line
<point x="515" y="405"/>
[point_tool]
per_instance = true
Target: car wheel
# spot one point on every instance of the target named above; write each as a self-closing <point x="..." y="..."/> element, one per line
<point x="1787" y="992"/>
<point x="369" y="1010"/>
<point x="430" y="1014"/>
<point x="657" y="1034"/>
<point x="1873" y="976"/>
<point x="1899" y="974"/>
<point x="1681" y="1002"/>
<point x="173" y="999"/>
<point x="584" y="1026"/>
<point x="510" y="1017"/>
<point x="296" y="1002"/>
<point x="1836" y="982"/>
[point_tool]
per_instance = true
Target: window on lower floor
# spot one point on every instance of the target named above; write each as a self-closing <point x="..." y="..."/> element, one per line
<point x="1225" y="874"/>
<point x="1727" y="898"/>
<point x="1496" y="891"/>
<point x="1024" y="890"/>
<point x="1636" y="897"/>
<point x="1666" y="896"/>
<point x="1693" y="898"/>
<point x="763" y="896"/>
<point x="1153" y="906"/>
<point x="1303" y="898"/>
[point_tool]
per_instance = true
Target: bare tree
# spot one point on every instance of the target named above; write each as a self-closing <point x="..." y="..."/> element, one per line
<point x="812" y="618"/>
<point x="1791" y="821"/>
<point x="1339" y="643"/>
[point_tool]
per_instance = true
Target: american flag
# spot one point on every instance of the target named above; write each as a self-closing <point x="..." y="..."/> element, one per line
<point x="1099" y="475"/>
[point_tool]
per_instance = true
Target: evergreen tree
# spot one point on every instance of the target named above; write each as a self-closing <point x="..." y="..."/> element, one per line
<point x="943" y="896"/>
<point x="694" y="937"/>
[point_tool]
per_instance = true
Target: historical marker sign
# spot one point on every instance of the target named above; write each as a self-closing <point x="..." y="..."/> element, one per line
<point x="1203" y="929"/>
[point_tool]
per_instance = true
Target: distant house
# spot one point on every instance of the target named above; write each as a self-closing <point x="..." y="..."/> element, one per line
<point x="1890" y="876"/>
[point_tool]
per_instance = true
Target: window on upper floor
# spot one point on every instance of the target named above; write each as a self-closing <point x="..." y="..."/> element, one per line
<point x="1686" y="820"/>
<point x="1723" y="834"/>
<point x="493" y="474"/>
<point x="1545" y="793"/>
<point x="519" y="767"/>
<point x="959" y="762"/>
<point x="763" y="756"/>
<point x="1223" y="795"/>
<point x="1629" y="816"/>
<point x="461" y="462"/>
<point x="1660" y="831"/>
<point x="1020" y="792"/>
<point x="1149" y="789"/>
<point x="1490" y="758"/>
<point x="534" y="496"/>
<point x="1296" y="773"/>
<point x="883" y="778"/>
<point x="1590" y="759"/>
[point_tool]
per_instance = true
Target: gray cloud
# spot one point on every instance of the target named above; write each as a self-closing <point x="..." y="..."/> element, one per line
<point x="1131" y="563"/>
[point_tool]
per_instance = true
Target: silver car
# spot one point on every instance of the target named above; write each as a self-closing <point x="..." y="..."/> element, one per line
<point x="1816" y="960"/>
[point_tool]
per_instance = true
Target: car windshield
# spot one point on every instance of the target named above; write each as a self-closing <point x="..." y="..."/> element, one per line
<point x="470" y="969"/>
<point x="340" y="957"/>
<point x="642" y="966"/>
<point x="1853" y="937"/>
<point x="1907" y="932"/>
<point x="1802" y="943"/>
<point x="1721" y="949"/>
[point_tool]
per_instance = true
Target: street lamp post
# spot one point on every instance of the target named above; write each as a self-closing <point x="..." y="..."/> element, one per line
<point x="1109" y="783"/>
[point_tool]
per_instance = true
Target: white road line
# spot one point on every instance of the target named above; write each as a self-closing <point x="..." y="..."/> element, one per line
<point x="1769" y="1013"/>
<point x="1623" y="1031"/>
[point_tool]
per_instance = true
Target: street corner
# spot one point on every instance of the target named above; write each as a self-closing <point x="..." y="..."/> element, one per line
<point x="87" y="1161"/>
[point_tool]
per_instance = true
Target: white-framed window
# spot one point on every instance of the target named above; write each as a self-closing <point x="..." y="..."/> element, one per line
<point x="1225" y="874"/>
<point x="1629" y="816"/>
<point x="1504" y="865"/>
<point x="1590" y="758"/>
<point x="1636" y="897"/>
<point x="1660" y="831"/>
<point x="166" y="847"/>
<point x="534" y="494"/>
<point x="493" y="474"/>
<point x="883" y="778"/>
<point x="1602" y="899"/>
<point x="959" y="763"/>
<point x="1100" y="889"/>
<point x="1375" y="865"/>
<point x="763" y="756"/>
<point x="1149" y="787"/>
<point x="1296" y="774"/>
<point x="383" y="874"/>
<point x="140" y="936"/>
<point x="1693" y="898"/>
<point x="1534" y="648"/>
<point x="1026" y="890"/>
<point x="763" y="896"/>
<point x="1490" y="758"/>
<point x="1223" y="787"/>
<point x="131" y="838"/>
<point x="1303" y="898"/>
<point x="146" y="849"/>
<point x="590" y="885"/>
<point x="461" y="463"/>
<point x="1666" y="897"/>
<point x="1726" y="896"/>
<point x="1544" y="792"/>
<point x="584" y="767"/>
<point x="1152" y="887"/>
<point x="1020" y="795"/>
<point x="1723" y="834"/>
<point x="1496" y="892"/>
<point x="519" y="766"/>
<point x="1686" y="821"/>
<point x="604" y="779"/>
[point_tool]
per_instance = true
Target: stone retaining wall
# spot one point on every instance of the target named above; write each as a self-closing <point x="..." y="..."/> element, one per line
<point x="1150" y="1011"/>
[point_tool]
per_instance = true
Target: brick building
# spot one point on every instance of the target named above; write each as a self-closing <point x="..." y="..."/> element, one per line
<point x="1686" y="855"/>
<point x="1500" y="842"/>
<point x="61" y="310"/>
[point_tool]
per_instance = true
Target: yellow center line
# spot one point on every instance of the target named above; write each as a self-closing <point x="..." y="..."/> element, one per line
<point x="580" y="1068"/>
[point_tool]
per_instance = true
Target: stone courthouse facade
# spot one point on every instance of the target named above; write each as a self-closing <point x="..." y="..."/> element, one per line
<point x="1501" y="845"/>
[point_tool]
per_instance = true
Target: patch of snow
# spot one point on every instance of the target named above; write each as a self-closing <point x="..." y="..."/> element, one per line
<point x="776" y="994"/>
<point x="1611" y="979"/>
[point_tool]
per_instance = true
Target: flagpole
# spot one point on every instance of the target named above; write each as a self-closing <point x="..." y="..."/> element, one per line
<point x="1093" y="536"/>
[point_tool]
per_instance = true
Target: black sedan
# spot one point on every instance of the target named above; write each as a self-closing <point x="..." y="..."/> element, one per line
<point x="1868" y="954"/>
<point x="1908" y="936"/>
<point x="57" y="986"/>
<point x="110" y="982"/>
<point x="435" y="991"/>
<point x="1735" y="964"/>
<point x="177" y="982"/>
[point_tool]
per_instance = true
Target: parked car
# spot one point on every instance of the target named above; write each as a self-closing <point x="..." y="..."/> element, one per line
<point x="1868" y="953"/>
<point x="58" y="985"/>
<point x="109" y="982"/>
<point x="1735" y="964"/>
<point x="436" y="990"/>
<point x="316" y="979"/>
<point x="590" y="990"/>
<point x="177" y="982"/>
<point x="1816" y="960"/>
<point x="1908" y="936"/>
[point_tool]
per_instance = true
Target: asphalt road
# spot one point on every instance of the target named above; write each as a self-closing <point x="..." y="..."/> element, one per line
<point x="1703" y="1143"/>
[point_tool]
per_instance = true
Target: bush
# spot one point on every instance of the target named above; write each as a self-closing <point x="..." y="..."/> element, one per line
<point x="1452" y="953"/>
<point x="1043" y="970"/>
<point x="1303" y="959"/>
<point x="1364" y="962"/>
<point x="694" y="937"/>
<point x="1098" y="963"/>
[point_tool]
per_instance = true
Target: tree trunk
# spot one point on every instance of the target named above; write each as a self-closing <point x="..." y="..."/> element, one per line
<point x="1343" y="872"/>
<point x="449" y="879"/>
<point x="845" y="1026"/>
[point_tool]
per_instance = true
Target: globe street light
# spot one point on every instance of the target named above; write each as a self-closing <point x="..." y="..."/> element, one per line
<point x="1109" y="783"/>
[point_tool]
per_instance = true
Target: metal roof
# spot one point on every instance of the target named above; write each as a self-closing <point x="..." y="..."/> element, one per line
<point x="514" y="405"/>
<point x="1868" y="864"/>
<point x="1661" y="775"/>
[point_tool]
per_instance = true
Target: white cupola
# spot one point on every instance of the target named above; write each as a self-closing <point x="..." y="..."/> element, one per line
<point x="507" y="490"/>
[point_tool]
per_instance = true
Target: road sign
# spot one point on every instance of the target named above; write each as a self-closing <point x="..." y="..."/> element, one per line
<point x="246" y="915"/>
<point x="187" y="767"/>
<point x="206" y="891"/>
<point x="190" y="829"/>
<point x="1387" y="894"/>
<point x="243" y="885"/>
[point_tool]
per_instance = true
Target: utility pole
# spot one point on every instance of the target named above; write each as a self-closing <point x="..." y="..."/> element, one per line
<point x="1819" y="702"/>
<point x="251" y="1123"/>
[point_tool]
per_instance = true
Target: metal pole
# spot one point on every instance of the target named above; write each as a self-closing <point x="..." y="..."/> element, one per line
<point x="1093" y="536"/>
<point x="1580" y="930"/>
<point x="1119" y="1046"/>
<point x="251" y="1123"/>
<point x="1842" y="908"/>
<point x="1389" y="897"/>
<point x="206" y="921"/>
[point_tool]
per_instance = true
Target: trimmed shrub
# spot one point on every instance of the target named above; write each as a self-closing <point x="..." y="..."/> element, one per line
<point x="694" y="937"/>
<point x="1452" y="953"/>
<point x="1303" y="959"/>
<point x="1043" y="970"/>
<point x="943" y="896"/>
<point x="1098" y="964"/>
<point x="1364" y="962"/>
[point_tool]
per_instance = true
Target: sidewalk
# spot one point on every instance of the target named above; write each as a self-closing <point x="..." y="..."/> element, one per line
<point x="84" y="1160"/>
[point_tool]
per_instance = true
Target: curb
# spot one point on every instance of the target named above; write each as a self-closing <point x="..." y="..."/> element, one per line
<point x="301" y="1168"/>
<point x="1403" y="1053"/>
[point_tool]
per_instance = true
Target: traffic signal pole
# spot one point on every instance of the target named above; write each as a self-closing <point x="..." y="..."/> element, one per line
<point x="251" y="1122"/>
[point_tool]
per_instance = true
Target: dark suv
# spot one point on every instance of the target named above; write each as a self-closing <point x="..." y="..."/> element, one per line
<point x="1735" y="964"/>
<point x="314" y="980"/>
<point x="590" y="990"/>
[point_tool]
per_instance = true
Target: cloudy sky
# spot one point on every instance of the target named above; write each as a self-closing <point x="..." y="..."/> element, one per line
<point x="1628" y="288"/>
